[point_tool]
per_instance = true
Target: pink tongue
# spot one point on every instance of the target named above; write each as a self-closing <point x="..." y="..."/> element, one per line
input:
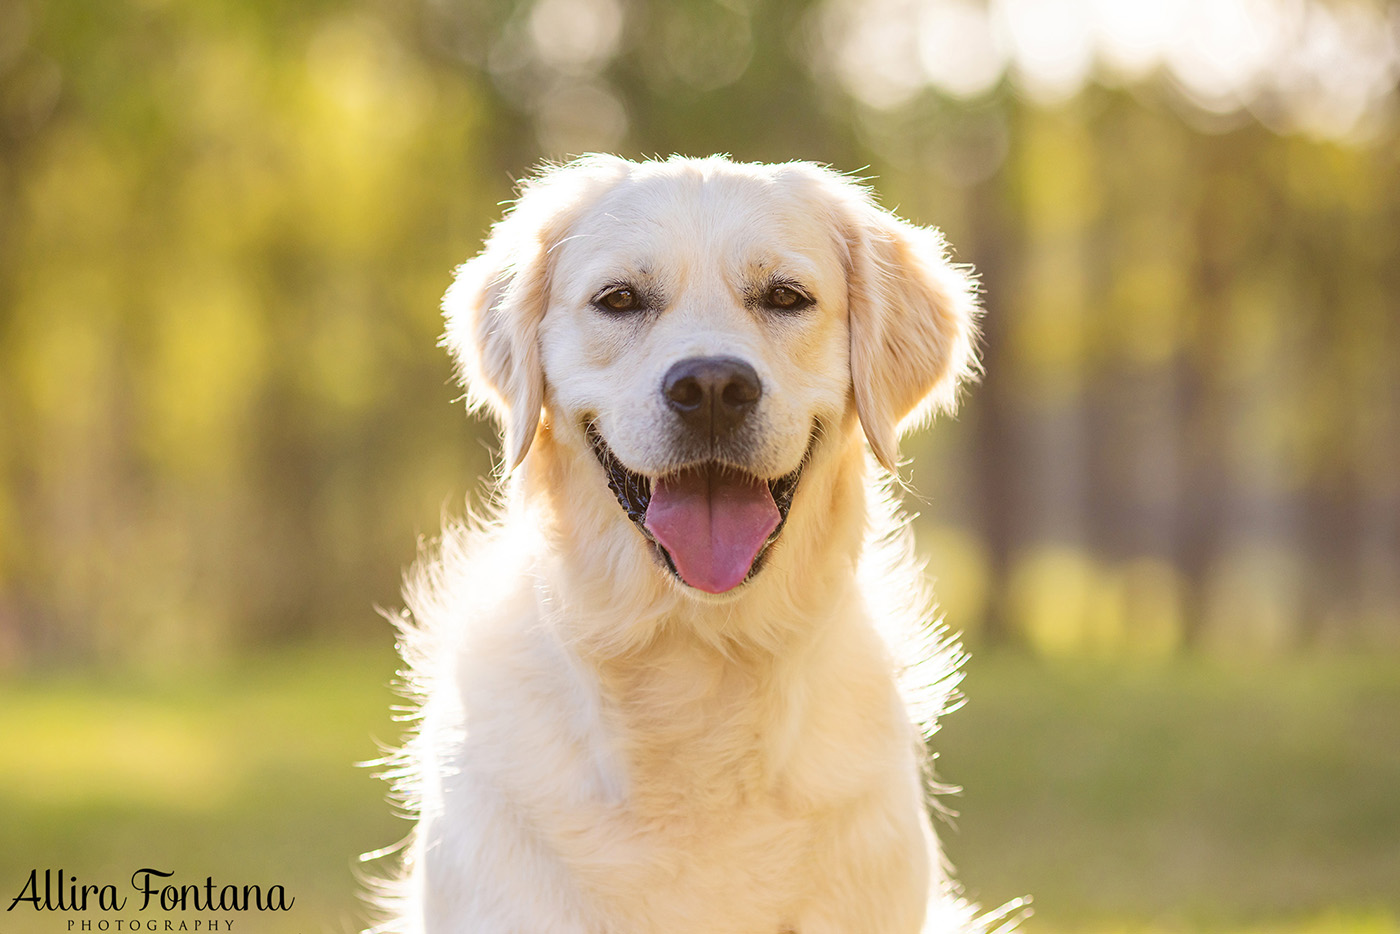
<point x="713" y="524"/>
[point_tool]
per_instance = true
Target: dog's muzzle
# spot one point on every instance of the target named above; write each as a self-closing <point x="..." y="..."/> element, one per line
<point x="709" y="524"/>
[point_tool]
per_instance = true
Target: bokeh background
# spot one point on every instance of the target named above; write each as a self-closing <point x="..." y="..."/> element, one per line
<point x="1167" y="522"/>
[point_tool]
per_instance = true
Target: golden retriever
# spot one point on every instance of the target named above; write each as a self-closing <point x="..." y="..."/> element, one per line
<point x="661" y="686"/>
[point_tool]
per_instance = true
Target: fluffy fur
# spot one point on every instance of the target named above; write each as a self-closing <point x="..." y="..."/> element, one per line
<point x="600" y="748"/>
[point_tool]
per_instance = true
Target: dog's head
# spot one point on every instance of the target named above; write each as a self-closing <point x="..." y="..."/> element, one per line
<point x="699" y="328"/>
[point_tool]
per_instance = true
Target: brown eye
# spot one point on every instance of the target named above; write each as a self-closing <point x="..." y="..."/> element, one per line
<point x="619" y="299"/>
<point x="786" y="298"/>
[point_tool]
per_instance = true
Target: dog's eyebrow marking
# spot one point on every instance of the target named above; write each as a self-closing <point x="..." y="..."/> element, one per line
<point x="770" y="263"/>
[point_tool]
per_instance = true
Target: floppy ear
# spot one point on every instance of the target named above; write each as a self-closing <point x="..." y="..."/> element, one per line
<point x="913" y="320"/>
<point x="493" y="310"/>
<point x="497" y="300"/>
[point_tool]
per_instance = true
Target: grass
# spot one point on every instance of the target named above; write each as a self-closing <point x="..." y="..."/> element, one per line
<point x="246" y="776"/>
<point x="1198" y="796"/>
<point x="1189" y="798"/>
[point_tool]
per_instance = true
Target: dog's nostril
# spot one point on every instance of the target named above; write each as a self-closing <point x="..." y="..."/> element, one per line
<point x="685" y="393"/>
<point x="740" y="393"/>
<point x="712" y="393"/>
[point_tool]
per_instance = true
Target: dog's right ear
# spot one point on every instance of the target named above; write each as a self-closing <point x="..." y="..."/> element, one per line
<point x="496" y="302"/>
<point x="493" y="310"/>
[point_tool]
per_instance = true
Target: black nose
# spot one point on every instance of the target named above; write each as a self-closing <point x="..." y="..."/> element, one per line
<point x="712" y="395"/>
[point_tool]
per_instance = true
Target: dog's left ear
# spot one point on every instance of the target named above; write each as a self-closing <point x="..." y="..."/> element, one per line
<point x="913" y="320"/>
<point x="497" y="300"/>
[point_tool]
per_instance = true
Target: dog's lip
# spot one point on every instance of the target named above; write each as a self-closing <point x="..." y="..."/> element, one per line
<point x="633" y="492"/>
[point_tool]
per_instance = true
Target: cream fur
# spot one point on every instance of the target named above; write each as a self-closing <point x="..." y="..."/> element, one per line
<point x="600" y="748"/>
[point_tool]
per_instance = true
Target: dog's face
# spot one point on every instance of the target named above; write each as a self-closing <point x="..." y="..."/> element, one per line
<point x="699" y="322"/>
<point x="698" y="327"/>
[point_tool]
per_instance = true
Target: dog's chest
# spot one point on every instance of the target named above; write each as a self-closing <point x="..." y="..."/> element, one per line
<point x="673" y="805"/>
<point x="695" y="868"/>
<point x="678" y="792"/>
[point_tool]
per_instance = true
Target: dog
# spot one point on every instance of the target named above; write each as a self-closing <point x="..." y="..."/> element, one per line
<point x="666" y="684"/>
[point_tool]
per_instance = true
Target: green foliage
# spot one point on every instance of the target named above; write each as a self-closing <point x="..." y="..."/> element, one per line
<point x="217" y="367"/>
<point x="224" y="229"/>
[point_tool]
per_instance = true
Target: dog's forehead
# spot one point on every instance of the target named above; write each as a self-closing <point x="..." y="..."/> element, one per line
<point x="733" y="216"/>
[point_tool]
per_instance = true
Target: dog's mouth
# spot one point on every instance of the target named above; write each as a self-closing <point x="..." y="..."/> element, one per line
<point x="710" y="524"/>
